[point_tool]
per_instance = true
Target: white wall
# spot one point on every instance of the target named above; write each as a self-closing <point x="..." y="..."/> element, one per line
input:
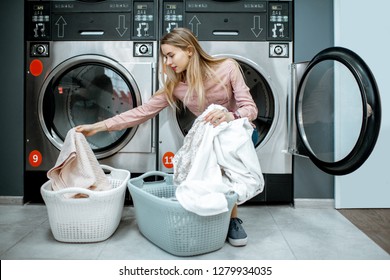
<point x="364" y="27"/>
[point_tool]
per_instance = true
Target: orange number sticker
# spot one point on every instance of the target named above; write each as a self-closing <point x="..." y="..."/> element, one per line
<point x="167" y="159"/>
<point x="35" y="158"/>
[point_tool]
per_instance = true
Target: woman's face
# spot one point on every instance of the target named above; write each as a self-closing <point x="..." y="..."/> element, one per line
<point x="176" y="58"/>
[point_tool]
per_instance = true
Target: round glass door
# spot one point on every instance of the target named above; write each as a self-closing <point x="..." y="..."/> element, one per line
<point x="262" y="96"/>
<point x="86" y="91"/>
<point x="338" y="111"/>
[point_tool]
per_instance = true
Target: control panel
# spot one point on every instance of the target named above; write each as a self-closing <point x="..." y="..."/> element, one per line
<point x="38" y="21"/>
<point x="172" y="17"/>
<point x="279" y="27"/>
<point x="145" y="19"/>
<point x="245" y="20"/>
<point x="113" y="20"/>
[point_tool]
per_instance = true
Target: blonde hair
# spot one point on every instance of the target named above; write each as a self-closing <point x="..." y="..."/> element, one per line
<point x="200" y="67"/>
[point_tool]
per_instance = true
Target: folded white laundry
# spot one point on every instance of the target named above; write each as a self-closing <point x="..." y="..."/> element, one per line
<point x="77" y="166"/>
<point x="221" y="159"/>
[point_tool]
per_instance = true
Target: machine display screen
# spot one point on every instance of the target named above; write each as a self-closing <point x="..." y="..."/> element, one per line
<point x="276" y="7"/>
<point x="170" y="7"/>
<point x="142" y="7"/>
<point x="38" y="8"/>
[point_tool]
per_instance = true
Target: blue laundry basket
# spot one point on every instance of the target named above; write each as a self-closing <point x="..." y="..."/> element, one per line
<point x="164" y="222"/>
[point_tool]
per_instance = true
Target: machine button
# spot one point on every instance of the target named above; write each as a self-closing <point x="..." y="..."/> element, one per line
<point x="143" y="49"/>
<point x="40" y="50"/>
<point x="278" y="50"/>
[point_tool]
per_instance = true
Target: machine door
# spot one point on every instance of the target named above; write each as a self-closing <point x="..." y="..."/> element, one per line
<point x="337" y="111"/>
<point x="84" y="90"/>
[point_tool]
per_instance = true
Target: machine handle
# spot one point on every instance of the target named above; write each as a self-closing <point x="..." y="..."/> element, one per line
<point x="91" y="33"/>
<point x="226" y="33"/>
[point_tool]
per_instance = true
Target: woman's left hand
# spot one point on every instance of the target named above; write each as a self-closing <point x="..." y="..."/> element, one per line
<point x="216" y="117"/>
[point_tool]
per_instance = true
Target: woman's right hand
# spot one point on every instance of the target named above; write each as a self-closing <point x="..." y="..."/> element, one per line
<point x="91" y="129"/>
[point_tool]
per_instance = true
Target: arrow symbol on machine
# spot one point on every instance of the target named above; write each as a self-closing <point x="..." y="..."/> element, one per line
<point x="121" y="29"/>
<point x="256" y="29"/>
<point x="61" y="26"/>
<point x="195" y="21"/>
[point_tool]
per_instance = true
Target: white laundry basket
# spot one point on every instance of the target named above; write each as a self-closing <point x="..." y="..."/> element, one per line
<point x="90" y="219"/>
<point x="163" y="221"/>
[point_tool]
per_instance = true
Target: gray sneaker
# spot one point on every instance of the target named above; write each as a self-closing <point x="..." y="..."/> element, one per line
<point x="236" y="234"/>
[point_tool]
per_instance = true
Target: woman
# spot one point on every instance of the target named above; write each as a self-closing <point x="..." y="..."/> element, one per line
<point x="197" y="79"/>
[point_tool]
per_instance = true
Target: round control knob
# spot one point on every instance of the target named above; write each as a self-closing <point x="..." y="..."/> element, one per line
<point x="278" y="50"/>
<point x="41" y="49"/>
<point x="143" y="49"/>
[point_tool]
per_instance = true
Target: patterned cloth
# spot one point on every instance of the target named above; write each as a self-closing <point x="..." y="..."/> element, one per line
<point x="214" y="161"/>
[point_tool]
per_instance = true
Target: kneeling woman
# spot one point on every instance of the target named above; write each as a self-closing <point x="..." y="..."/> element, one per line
<point x="197" y="80"/>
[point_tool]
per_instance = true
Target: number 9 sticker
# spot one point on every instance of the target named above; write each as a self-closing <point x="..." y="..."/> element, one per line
<point x="35" y="158"/>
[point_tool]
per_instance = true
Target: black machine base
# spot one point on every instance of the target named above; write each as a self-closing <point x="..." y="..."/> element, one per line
<point x="278" y="189"/>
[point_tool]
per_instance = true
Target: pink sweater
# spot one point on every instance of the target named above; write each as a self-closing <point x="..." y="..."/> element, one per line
<point x="238" y="99"/>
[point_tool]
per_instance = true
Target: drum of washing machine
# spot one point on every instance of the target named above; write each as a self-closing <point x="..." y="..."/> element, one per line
<point x="262" y="96"/>
<point x="86" y="94"/>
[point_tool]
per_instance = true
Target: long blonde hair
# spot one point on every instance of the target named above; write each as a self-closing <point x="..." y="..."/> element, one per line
<point x="200" y="67"/>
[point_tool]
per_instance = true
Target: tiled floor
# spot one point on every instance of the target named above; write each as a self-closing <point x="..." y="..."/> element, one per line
<point x="275" y="233"/>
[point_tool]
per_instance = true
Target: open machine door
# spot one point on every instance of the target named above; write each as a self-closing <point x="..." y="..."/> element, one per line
<point x="337" y="110"/>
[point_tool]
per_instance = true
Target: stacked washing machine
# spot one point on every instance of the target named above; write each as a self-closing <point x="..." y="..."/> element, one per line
<point x="258" y="34"/>
<point x="87" y="61"/>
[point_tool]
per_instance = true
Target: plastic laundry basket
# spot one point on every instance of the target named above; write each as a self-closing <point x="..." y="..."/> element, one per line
<point x="90" y="219"/>
<point x="163" y="221"/>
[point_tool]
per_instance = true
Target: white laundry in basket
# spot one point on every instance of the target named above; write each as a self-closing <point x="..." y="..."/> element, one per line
<point x="220" y="158"/>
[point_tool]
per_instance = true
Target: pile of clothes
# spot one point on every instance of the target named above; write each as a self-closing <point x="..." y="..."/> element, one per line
<point x="214" y="161"/>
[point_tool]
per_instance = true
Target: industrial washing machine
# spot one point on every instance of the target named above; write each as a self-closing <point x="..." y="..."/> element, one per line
<point x="87" y="61"/>
<point x="327" y="109"/>
<point x="258" y="34"/>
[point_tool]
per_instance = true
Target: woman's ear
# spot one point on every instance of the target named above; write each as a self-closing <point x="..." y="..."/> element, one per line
<point x="190" y="51"/>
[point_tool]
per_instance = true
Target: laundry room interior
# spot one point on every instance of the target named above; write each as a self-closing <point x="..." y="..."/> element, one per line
<point x="324" y="201"/>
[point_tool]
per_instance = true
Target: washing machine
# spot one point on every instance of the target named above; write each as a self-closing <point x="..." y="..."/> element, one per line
<point x="327" y="109"/>
<point x="258" y="34"/>
<point x="87" y="61"/>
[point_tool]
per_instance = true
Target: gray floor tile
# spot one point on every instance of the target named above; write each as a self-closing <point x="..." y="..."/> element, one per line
<point x="304" y="218"/>
<point x="40" y="244"/>
<point x="11" y="235"/>
<point x="274" y="233"/>
<point x="30" y="215"/>
<point x="324" y="234"/>
<point x="258" y="217"/>
<point x="332" y="244"/>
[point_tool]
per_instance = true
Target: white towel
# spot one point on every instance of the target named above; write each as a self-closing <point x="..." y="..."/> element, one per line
<point x="220" y="159"/>
<point x="77" y="166"/>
